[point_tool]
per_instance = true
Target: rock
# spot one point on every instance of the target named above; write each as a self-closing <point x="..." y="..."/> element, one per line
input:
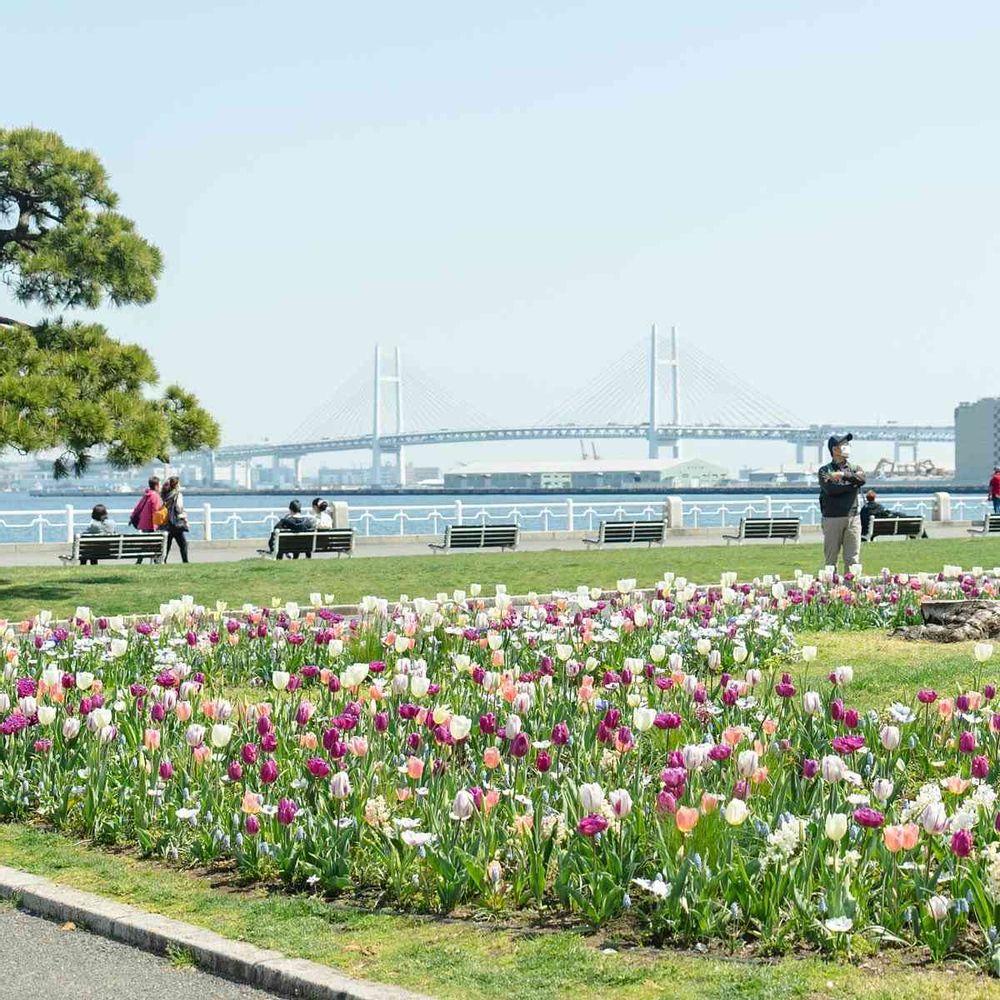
<point x="955" y="621"/>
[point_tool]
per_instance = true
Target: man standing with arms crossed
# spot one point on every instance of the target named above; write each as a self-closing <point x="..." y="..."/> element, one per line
<point x="839" y="485"/>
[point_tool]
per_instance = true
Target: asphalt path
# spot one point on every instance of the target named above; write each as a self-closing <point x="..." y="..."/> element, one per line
<point x="40" y="960"/>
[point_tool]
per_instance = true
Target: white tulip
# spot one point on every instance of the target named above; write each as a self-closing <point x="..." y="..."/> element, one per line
<point x="340" y="785"/>
<point x="812" y="702"/>
<point x="46" y="715"/>
<point x="459" y="726"/>
<point x="890" y="737"/>
<point x="464" y="806"/>
<point x="982" y="651"/>
<point x="280" y="679"/>
<point x="832" y="768"/>
<point x="643" y="718"/>
<point x="808" y="654"/>
<point x="221" y="735"/>
<point x="591" y="797"/>
<point x="736" y="812"/>
<point x="746" y="762"/>
<point x="938" y="906"/>
<point x="419" y="684"/>
<point x="71" y="728"/>
<point x="657" y="652"/>
<point x="84" y="680"/>
<point x="836" y="826"/>
<point x="512" y="726"/>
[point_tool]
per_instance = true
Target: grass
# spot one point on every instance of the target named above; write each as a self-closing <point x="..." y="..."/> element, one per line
<point x="121" y="589"/>
<point x="451" y="959"/>
<point x="888" y="670"/>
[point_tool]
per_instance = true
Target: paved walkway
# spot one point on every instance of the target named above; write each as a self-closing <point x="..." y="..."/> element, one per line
<point x="39" y="959"/>
<point x="231" y="551"/>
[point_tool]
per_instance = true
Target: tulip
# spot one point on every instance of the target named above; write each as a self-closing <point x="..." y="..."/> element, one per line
<point x="46" y="715"/>
<point x="982" y="651"/>
<point x="269" y="772"/>
<point x="980" y="766"/>
<point x="934" y="818"/>
<point x="889" y="737"/>
<point x="882" y="789"/>
<point x="836" y="826"/>
<point x="592" y="825"/>
<point x="938" y="907"/>
<point x="71" y="728"/>
<point x="643" y="719"/>
<point x="221" y="735"/>
<point x="591" y="797"/>
<point x="686" y="818"/>
<point x="166" y="770"/>
<point x="832" y="769"/>
<point x="746" y="762"/>
<point x="286" y="811"/>
<point x="280" y="679"/>
<point x="463" y="807"/>
<point x="620" y="802"/>
<point x="808" y="654"/>
<point x="543" y="761"/>
<point x="459" y="726"/>
<point x="736" y="812"/>
<point x="961" y="843"/>
<point x="340" y="785"/>
<point x="252" y="825"/>
<point x="967" y="742"/>
<point x="812" y="703"/>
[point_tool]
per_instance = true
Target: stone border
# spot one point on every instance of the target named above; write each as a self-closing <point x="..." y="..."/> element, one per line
<point x="235" y="960"/>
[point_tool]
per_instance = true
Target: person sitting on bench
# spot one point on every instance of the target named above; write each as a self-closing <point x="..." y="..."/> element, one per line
<point x="100" y="524"/>
<point x="321" y="511"/>
<point x="872" y="508"/>
<point x="294" y="520"/>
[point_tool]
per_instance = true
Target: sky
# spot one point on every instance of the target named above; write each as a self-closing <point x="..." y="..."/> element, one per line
<point x="513" y="193"/>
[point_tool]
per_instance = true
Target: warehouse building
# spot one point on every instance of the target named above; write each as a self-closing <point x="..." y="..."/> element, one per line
<point x="610" y="473"/>
<point x="977" y="441"/>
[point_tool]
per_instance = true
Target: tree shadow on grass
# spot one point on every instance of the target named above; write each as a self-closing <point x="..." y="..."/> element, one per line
<point x="53" y="591"/>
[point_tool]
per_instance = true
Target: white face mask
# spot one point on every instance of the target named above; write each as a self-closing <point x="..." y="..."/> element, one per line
<point x="845" y="450"/>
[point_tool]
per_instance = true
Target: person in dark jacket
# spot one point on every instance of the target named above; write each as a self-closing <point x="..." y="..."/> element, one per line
<point x="177" y="519"/>
<point x="100" y="524"/>
<point x="872" y="508"/>
<point x="839" y="484"/>
<point x="294" y="520"/>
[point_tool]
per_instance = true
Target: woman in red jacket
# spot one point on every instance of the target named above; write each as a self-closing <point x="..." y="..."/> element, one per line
<point x="142" y="513"/>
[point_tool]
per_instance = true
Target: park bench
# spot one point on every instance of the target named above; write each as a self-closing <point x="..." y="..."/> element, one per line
<point x="322" y="541"/>
<point x="909" y="527"/>
<point x="628" y="532"/>
<point x="766" y="528"/>
<point x="479" y="536"/>
<point x="105" y="548"/>
<point x="990" y="526"/>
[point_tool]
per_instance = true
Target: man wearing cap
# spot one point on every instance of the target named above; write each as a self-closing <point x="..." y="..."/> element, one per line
<point x="839" y="485"/>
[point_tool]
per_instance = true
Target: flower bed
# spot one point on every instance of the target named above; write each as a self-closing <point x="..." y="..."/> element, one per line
<point x="594" y="755"/>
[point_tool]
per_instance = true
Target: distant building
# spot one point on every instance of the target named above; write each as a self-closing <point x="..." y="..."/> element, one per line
<point x="787" y="475"/>
<point x="614" y="473"/>
<point x="977" y="440"/>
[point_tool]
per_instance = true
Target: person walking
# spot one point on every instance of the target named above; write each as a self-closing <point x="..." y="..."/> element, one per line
<point x="146" y="515"/>
<point x="994" y="489"/>
<point x="100" y="524"/>
<point x="177" y="523"/>
<point x="839" y="485"/>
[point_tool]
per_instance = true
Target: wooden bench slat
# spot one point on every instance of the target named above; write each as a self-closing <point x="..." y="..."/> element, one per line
<point x="318" y="542"/>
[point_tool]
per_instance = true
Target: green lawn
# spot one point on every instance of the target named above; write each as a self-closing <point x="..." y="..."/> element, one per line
<point x="114" y="589"/>
<point x="452" y="959"/>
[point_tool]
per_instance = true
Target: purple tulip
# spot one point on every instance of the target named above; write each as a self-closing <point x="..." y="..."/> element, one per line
<point x="286" y="811"/>
<point x="166" y="770"/>
<point x="560" y="734"/>
<point x="967" y="742"/>
<point x="980" y="766"/>
<point x="810" y="768"/>
<point x="926" y="697"/>
<point x="252" y="825"/>
<point x="961" y="843"/>
<point x="520" y="745"/>
<point x="248" y="753"/>
<point x="868" y="817"/>
<point x="269" y="772"/>
<point x="592" y="825"/>
<point x="543" y="761"/>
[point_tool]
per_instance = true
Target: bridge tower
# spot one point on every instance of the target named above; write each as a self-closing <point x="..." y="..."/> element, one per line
<point x="673" y="363"/>
<point x="395" y="379"/>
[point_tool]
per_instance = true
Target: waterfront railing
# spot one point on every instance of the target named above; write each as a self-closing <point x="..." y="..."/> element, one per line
<point x="209" y="522"/>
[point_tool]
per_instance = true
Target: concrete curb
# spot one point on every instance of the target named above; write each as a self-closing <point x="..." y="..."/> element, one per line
<point x="235" y="960"/>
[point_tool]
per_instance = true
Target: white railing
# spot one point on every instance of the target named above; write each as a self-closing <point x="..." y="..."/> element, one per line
<point x="208" y="522"/>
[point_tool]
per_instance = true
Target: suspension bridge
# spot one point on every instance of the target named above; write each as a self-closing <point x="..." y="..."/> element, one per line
<point x="657" y="391"/>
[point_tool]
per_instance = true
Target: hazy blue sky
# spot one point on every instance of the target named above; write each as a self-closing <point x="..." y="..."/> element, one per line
<point x="513" y="192"/>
